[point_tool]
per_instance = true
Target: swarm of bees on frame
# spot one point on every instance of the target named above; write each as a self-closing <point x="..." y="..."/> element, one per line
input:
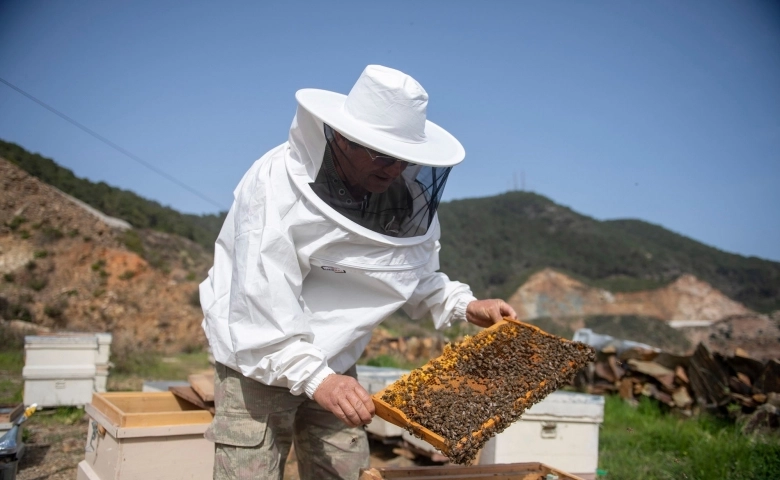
<point x="480" y="386"/>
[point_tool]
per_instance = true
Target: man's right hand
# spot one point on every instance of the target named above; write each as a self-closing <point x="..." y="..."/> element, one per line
<point x="345" y="398"/>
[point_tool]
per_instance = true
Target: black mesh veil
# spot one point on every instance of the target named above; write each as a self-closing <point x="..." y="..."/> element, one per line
<point x="388" y="197"/>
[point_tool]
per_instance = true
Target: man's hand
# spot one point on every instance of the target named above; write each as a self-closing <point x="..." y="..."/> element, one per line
<point x="485" y="313"/>
<point x="345" y="398"/>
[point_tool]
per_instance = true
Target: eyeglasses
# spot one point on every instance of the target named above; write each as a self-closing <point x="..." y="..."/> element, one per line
<point x="378" y="158"/>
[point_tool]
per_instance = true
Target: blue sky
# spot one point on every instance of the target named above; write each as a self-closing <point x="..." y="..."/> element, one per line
<point x="664" y="111"/>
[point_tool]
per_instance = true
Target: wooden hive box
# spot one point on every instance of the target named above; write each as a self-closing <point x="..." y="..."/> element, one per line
<point x="511" y="471"/>
<point x="146" y="435"/>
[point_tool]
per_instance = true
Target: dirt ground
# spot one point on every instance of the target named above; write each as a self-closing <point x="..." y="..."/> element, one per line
<point x="53" y="452"/>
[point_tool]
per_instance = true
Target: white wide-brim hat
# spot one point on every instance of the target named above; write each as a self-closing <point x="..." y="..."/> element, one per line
<point x="386" y="111"/>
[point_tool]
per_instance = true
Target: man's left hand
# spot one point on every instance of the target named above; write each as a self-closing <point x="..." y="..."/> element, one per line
<point x="484" y="313"/>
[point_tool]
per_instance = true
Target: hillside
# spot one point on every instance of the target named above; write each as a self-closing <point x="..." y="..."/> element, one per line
<point x="136" y="210"/>
<point x="63" y="267"/>
<point x="675" y="317"/>
<point x="551" y="294"/>
<point x="495" y="243"/>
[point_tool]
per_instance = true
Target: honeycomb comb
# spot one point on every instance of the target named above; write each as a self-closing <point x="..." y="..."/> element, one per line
<point x="478" y="387"/>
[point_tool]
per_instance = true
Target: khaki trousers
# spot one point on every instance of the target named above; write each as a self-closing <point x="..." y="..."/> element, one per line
<point x="255" y="426"/>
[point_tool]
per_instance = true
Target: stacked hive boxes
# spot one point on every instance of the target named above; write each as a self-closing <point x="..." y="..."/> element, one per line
<point x="64" y="369"/>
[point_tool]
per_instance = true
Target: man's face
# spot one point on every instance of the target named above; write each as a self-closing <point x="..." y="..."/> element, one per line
<point x="363" y="171"/>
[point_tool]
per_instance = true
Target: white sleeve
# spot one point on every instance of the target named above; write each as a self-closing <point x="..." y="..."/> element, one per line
<point x="268" y="328"/>
<point x="445" y="299"/>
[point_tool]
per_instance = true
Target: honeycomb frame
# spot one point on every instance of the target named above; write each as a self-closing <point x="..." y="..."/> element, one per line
<point x="460" y="399"/>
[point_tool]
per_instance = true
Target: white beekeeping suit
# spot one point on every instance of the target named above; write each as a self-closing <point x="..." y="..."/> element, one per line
<point x="301" y="274"/>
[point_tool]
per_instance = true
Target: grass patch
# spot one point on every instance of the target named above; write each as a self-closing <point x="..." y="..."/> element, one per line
<point x="133" y="242"/>
<point x="131" y="370"/>
<point x="57" y="416"/>
<point x="643" y="443"/>
<point x="11" y="390"/>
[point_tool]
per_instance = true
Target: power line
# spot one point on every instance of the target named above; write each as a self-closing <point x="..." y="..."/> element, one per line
<point x="113" y="145"/>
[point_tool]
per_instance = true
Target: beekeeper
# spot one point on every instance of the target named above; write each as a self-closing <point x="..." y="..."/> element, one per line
<point x="329" y="234"/>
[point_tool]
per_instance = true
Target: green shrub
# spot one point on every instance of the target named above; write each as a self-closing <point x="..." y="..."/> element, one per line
<point x="127" y="275"/>
<point x="53" y="311"/>
<point x="9" y="277"/>
<point x="51" y="234"/>
<point x="133" y="242"/>
<point x="37" y="283"/>
<point x="16" y="222"/>
<point x="41" y="254"/>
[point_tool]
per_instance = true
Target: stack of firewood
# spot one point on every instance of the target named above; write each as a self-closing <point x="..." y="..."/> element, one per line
<point x="702" y="380"/>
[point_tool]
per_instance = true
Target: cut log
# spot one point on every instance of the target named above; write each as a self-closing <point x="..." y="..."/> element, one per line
<point x="680" y="374"/>
<point x="627" y="389"/>
<point x="614" y="365"/>
<point x="681" y="397"/>
<point x="769" y="381"/>
<point x="708" y="380"/>
<point x="736" y="386"/>
<point x="604" y="371"/>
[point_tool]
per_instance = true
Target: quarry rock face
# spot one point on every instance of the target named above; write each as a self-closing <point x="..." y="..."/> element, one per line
<point x="552" y="294"/>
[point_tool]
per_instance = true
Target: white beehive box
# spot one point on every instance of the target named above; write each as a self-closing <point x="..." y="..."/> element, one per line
<point x="59" y="370"/>
<point x="561" y="431"/>
<point x="375" y="379"/>
<point x="146" y="436"/>
<point x="66" y="385"/>
<point x="104" y="348"/>
<point x="60" y="349"/>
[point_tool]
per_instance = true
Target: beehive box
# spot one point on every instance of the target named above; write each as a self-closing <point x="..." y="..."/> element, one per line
<point x="516" y="471"/>
<point x="479" y="387"/>
<point x="137" y="435"/>
<point x="60" y="349"/>
<point x="60" y="385"/>
<point x="562" y="431"/>
<point x="63" y="369"/>
<point x="374" y="380"/>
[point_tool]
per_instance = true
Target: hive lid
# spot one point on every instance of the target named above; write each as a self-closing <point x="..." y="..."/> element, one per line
<point x="568" y="405"/>
<point x="58" y="372"/>
<point x="70" y="339"/>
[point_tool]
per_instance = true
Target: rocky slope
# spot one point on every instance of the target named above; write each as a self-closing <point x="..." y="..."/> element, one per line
<point x="552" y="294"/>
<point x="63" y="267"/>
<point x="700" y="312"/>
